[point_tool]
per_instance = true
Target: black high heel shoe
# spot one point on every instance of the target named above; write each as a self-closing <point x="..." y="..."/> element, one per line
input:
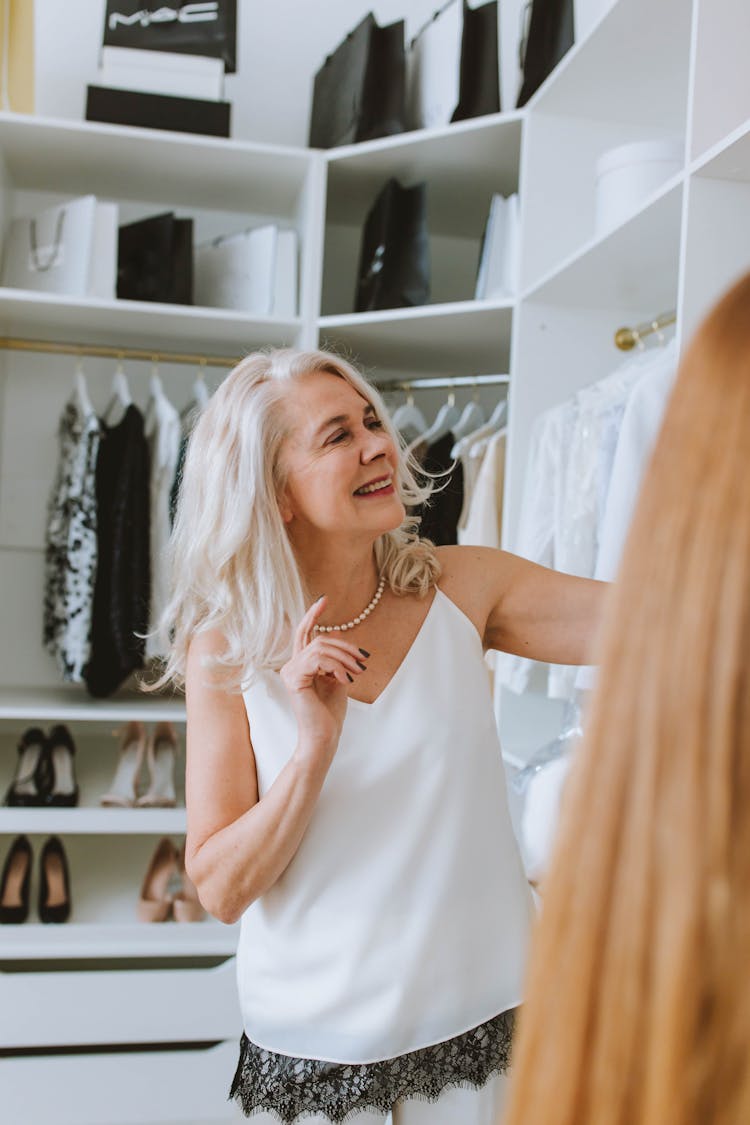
<point x="59" y="766"/>
<point x="16" y="882"/>
<point x="54" y="883"/>
<point x="28" y="787"/>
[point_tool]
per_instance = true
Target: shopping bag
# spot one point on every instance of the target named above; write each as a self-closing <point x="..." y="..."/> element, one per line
<point x="497" y="275"/>
<point x="480" y="67"/>
<point x="359" y="93"/>
<point x="394" y="263"/>
<point x="237" y="272"/>
<point x="155" y="260"/>
<point x="191" y="29"/>
<point x="434" y="68"/>
<point x="52" y="250"/>
<point x="254" y="271"/>
<point x="550" y="36"/>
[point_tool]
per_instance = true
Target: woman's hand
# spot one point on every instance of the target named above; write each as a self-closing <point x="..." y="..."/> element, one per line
<point x="317" y="676"/>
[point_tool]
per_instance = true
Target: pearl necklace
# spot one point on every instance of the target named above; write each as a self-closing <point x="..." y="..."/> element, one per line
<point x="356" y="621"/>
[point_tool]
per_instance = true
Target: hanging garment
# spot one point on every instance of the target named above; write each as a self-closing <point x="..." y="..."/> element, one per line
<point x="163" y="435"/>
<point x="71" y="544"/>
<point x="636" y="439"/>
<point x="404" y="916"/>
<point x="440" y="515"/>
<point x="571" y="455"/>
<point x="484" y="521"/>
<point x="121" y="591"/>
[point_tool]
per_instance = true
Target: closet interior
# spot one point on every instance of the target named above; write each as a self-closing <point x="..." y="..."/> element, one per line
<point x="151" y="1007"/>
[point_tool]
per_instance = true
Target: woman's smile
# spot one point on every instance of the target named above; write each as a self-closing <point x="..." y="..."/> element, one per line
<point x="382" y="486"/>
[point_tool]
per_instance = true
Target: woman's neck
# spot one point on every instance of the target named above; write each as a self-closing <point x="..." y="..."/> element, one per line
<point x="349" y="580"/>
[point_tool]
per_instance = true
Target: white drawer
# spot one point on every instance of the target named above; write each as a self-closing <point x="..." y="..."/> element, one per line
<point x="138" y="1088"/>
<point x="124" y="1006"/>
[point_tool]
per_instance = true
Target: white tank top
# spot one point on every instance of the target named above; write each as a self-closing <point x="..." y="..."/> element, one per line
<point x="403" y="918"/>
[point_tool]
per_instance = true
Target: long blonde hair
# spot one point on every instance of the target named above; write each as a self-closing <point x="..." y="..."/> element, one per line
<point x="231" y="562"/>
<point x="637" y="1009"/>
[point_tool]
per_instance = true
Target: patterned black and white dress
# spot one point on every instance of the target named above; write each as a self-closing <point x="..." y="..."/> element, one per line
<point x="71" y="543"/>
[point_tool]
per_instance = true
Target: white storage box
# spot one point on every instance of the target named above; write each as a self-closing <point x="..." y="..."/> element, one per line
<point x="627" y="175"/>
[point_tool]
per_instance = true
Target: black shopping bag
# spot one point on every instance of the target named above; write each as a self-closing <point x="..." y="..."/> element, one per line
<point x="480" y="66"/>
<point x="360" y="91"/>
<point x="394" y="263"/>
<point x="188" y="29"/>
<point x="550" y="36"/>
<point x="155" y="260"/>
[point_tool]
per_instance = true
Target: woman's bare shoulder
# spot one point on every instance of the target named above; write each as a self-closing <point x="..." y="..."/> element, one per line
<point x="463" y="572"/>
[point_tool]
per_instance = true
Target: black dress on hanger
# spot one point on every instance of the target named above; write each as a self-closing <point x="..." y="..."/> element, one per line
<point x="441" y="513"/>
<point x="121" y="591"/>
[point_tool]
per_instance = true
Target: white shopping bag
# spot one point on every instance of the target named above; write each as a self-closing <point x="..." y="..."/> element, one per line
<point x="52" y="251"/>
<point x="434" y="65"/>
<point x="253" y="272"/>
<point x="498" y="266"/>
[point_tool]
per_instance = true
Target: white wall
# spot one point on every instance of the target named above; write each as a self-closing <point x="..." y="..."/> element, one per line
<point x="281" y="46"/>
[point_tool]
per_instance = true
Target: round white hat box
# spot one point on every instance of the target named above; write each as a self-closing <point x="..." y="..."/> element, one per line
<point x="627" y="175"/>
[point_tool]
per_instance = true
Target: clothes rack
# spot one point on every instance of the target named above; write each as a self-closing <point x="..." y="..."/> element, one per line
<point x="157" y="356"/>
<point x="628" y="338"/>
<point x="430" y="383"/>
<point x="106" y="351"/>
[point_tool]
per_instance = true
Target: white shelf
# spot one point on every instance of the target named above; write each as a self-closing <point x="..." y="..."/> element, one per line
<point x="460" y="338"/>
<point x="138" y="323"/>
<point x="36" y="941"/>
<point x="632" y="67"/>
<point x="179" y="169"/>
<point x="73" y="705"/>
<point x="632" y="265"/>
<point x="727" y="160"/>
<point x="463" y="164"/>
<point x="99" y="822"/>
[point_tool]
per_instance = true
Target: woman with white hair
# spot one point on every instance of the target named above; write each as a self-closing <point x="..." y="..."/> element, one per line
<point x="345" y="789"/>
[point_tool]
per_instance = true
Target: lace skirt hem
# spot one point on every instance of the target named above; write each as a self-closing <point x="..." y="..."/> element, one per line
<point x="291" y="1089"/>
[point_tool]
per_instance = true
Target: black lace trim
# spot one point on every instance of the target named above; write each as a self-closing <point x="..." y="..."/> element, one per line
<point x="292" y="1087"/>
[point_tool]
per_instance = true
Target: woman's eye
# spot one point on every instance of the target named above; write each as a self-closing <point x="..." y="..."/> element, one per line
<point x="376" y="424"/>
<point x="335" y="440"/>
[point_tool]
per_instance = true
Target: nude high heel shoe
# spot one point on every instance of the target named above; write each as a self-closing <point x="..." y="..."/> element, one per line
<point x="186" y="904"/>
<point x="161" y="754"/>
<point x="122" y="791"/>
<point x="155" y="902"/>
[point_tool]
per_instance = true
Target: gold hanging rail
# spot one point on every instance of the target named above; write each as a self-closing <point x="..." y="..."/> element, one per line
<point x="429" y="382"/>
<point x="628" y="338"/>
<point x="157" y="355"/>
<point x="106" y="351"/>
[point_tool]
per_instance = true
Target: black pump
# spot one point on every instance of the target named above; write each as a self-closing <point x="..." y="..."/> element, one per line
<point x="61" y="788"/>
<point x="28" y="787"/>
<point x="54" y="882"/>
<point x="15" y="883"/>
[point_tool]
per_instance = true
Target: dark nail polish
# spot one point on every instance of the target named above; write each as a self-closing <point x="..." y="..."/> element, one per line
<point x="350" y="678"/>
<point x="362" y="666"/>
<point x="364" y="652"/>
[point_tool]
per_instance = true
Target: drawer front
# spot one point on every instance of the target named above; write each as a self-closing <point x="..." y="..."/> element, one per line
<point x="125" y="1006"/>
<point x="187" y="1087"/>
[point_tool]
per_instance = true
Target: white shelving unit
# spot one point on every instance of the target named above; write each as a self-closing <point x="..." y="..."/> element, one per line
<point x="645" y="70"/>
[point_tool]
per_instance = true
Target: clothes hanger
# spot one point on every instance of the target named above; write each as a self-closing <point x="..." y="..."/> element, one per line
<point x="200" y="396"/>
<point x="471" y="419"/>
<point x="447" y="417"/>
<point x="120" y="391"/>
<point x="409" y="416"/>
<point x="496" y="422"/>
<point x="200" y="390"/>
<point x="156" y="396"/>
<point x="80" y="390"/>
